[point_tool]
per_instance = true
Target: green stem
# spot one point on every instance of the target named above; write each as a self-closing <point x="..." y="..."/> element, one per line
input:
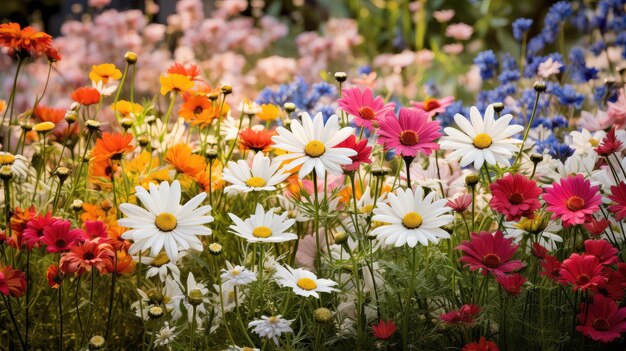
<point x="10" y="104"/>
<point x="316" y="226"/>
<point x="530" y="123"/>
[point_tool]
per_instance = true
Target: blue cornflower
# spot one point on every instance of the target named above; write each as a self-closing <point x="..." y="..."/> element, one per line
<point x="597" y="47"/>
<point x="488" y="64"/>
<point x="521" y="26"/>
<point x="364" y="70"/>
<point x="559" y="121"/>
<point x="447" y="117"/>
<point x="561" y="152"/>
<point x="567" y="95"/>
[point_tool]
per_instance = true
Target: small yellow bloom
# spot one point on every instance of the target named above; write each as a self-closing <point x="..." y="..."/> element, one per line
<point x="176" y="82"/>
<point x="125" y="108"/>
<point x="3" y="105"/>
<point x="104" y="72"/>
<point x="43" y="127"/>
<point x="268" y="112"/>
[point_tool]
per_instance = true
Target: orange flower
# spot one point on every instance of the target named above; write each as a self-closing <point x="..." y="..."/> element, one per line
<point x="86" y="96"/>
<point x="103" y="72"/>
<point x="112" y="146"/>
<point x="175" y="82"/>
<point x="19" y="220"/>
<point x="181" y="157"/>
<point x="256" y="140"/>
<point x="268" y="112"/>
<point x="216" y="181"/>
<point x="125" y="108"/>
<point x="192" y="71"/>
<point x="27" y="42"/>
<point x="49" y="114"/>
<point x="125" y="263"/>
<point x="101" y="169"/>
<point x="205" y="120"/>
<point x="54" y="276"/>
<point x="196" y="107"/>
<point x="95" y="253"/>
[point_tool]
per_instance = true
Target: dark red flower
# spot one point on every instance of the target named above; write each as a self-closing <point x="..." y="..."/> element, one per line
<point x="12" y="281"/>
<point x="583" y="272"/>
<point x="95" y="229"/>
<point x="603" y="250"/>
<point x="491" y="253"/>
<point x="482" y="345"/>
<point x="460" y="203"/>
<point x="515" y="196"/>
<point x="538" y="251"/>
<point x="464" y="315"/>
<point x="86" y="96"/>
<point x="362" y="152"/>
<point x="596" y="227"/>
<point x="551" y="268"/>
<point x="59" y="237"/>
<point x="512" y="283"/>
<point x="615" y="286"/>
<point x="384" y="329"/>
<point x="610" y="144"/>
<point x="602" y="320"/>
<point x="618" y="196"/>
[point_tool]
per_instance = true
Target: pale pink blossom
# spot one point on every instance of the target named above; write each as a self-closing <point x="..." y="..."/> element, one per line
<point x="459" y="31"/>
<point x="471" y="80"/>
<point x="591" y="122"/>
<point x="617" y="111"/>
<point x="275" y="69"/>
<point x="154" y="33"/>
<point x="443" y="16"/>
<point x="453" y="49"/>
<point x="549" y="68"/>
<point x="424" y="58"/>
<point x="99" y="3"/>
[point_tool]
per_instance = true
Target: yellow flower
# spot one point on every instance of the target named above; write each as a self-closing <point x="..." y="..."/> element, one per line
<point x="125" y="108"/>
<point x="3" y="105"/>
<point x="268" y="112"/>
<point x="104" y="72"/>
<point x="43" y="127"/>
<point x="156" y="177"/>
<point x="176" y="82"/>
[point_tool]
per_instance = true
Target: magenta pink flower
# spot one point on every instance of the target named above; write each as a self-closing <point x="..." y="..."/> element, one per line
<point x="515" y="196"/>
<point x="33" y="234"/>
<point x="366" y="109"/>
<point x="59" y="237"/>
<point x="363" y="152"/>
<point x="573" y="200"/>
<point x="412" y="133"/>
<point x="491" y="253"/>
<point x="433" y="106"/>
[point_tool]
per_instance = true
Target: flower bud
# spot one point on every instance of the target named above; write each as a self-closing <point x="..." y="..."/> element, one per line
<point x="536" y="158"/>
<point x="43" y="127"/>
<point x="126" y="123"/>
<point x="143" y="140"/>
<point x="215" y="249"/>
<point x="210" y="154"/>
<point x="77" y="205"/>
<point x="341" y="76"/>
<point x="62" y="173"/>
<point x="540" y="86"/>
<point x="195" y="297"/>
<point x="498" y="106"/>
<point x="155" y="312"/>
<point x="471" y="180"/>
<point x="150" y="119"/>
<point x="213" y="96"/>
<point x="227" y="89"/>
<point x="341" y="238"/>
<point x="130" y="57"/>
<point x="6" y="173"/>
<point x="93" y="125"/>
<point x="96" y="342"/>
<point x="289" y="107"/>
<point x="26" y="126"/>
<point x="71" y="116"/>
<point x="155" y="295"/>
<point x="323" y="315"/>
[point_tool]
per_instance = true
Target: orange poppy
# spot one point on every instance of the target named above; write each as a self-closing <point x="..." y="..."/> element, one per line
<point x="196" y="107"/>
<point x="181" y="157"/>
<point x="256" y="140"/>
<point x="205" y="120"/>
<point x="192" y="71"/>
<point x="216" y="181"/>
<point x="124" y="265"/>
<point x="49" y="114"/>
<point x="112" y="146"/>
<point x="27" y="41"/>
<point x="86" y="96"/>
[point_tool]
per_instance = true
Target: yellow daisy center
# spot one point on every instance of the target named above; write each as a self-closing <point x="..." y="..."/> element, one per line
<point x="367" y="208"/>
<point x="273" y="319"/>
<point x="7" y="159"/>
<point x="160" y="259"/>
<point x="166" y="222"/>
<point x="482" y="141"/>
<point x="166" y="299"/>
<point x="594" y="142"/>
<point x="412" y="220"/>
<point x="306" y="283"/>
<point x="314" y="148"/>
<point x="235" y="272"/>
<point x="262" y="232"/>
<point x="256" y="182"/>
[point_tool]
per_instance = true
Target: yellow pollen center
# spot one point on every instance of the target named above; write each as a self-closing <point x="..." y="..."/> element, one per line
<point x="366" y="208"/>
<point x="482" y="141"/>
<point x="314" y="148"/>
<point x="262" y="232"/>
<point x="235" y="272"/>
<point x="594" y="142"/>
<point x="7" y="159"/>
<point x="306" y="283"/>
<point x="166" y="222"/>
<point x="273" y="319"/>
<point x="160" y="259"/>
<point x="166" y="299"/>
<point x="412" y="220"/>
<point x="256" y="182"/>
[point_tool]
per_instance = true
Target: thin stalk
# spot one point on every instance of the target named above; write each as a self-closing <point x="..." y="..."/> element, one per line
<point x="530" y="123"/>
<point x="316" y="226"/>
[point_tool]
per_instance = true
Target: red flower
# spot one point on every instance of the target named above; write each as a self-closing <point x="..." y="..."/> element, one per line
<point x="602" y="320"/>
<point x="515" y="196"/>
<point x="615" y="286"/>
<point x="362" y="152"/>
<point x="538" y="251"/>
<point x="464" y="315"/>
<point x="256" y="140"/>
<point x="33" y="234"/>
<point x="384" y="329"/>
<point x="59" y="237"/>
<point x="583" y="272"/>
<point x="12" y="281"/>
<point x="512" y="283"/>
<point x="27" y="42"/>
<point x="86" y="96"/>
<point x="461" y="203"/>
<point x="54" y="276"/>
<point x="596" y="227"/>
<point x="50" y="114"/>
<point x="603" y="250"/>
<point x="95" y="229"/>
<point x="551" y="268"/>
<point x="482" y="345"/>
<point x="618" y="195"/>
<point x="610" y="144"/>
<point x="490" y="252"/>
<point x="192" y="71"/>
<point x="90" y="254"/>
<point x="112" y="146"/>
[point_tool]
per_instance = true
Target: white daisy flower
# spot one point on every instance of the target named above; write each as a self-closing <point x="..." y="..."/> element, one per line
<point x="311" y="144"/>
<point x="165" y="223"/>
<point x="263" y="175"/>
<point x="165" y="336"/>
<point x="411" y="219"/>
<point x="228" y="296"/>
<point x="237" y="348"/>
<point x="289" y="207"/>
<point x="263" y="227"/>
<point x="160" y="265"/>
<point x="237" y="275"/>
<point x="271" y="327"/>
<point x="584" y="142"/>
<point x="303" y="282"/>
<point x="525" y="228"/>
<point x="195" y="288"/>
<point x="103" y="89"/>
<point x="18" y="163"/>
<point x="482" y="140"/>
<point x="229" y="128"/>
<point x="249" y="107"/>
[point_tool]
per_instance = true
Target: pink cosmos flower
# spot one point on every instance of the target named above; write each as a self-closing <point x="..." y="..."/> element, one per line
<point x="617" y="111"/>
<point x="453" y="49"/>
<point x="459" y="31"/>
<point x="464" y="315"/>
<point x="366" y="109"/>
<point x="603" y="320"/>
<point x="363" y="152"/>
<point x="59" y="237"/>
<point x="515" y="196"/>
<point x="443" y="16"/>
<point x="433" y="106"/>
<point x="549" y="68"/>
<point x="582" y="272"/>
<point x="491" y="253"/>
<point x="603" y="250"/>
<point x="573" y="200"/>
<point x="33" y="234"/>
<point x="412" y="133"/>
<point x="512" y="283"/>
